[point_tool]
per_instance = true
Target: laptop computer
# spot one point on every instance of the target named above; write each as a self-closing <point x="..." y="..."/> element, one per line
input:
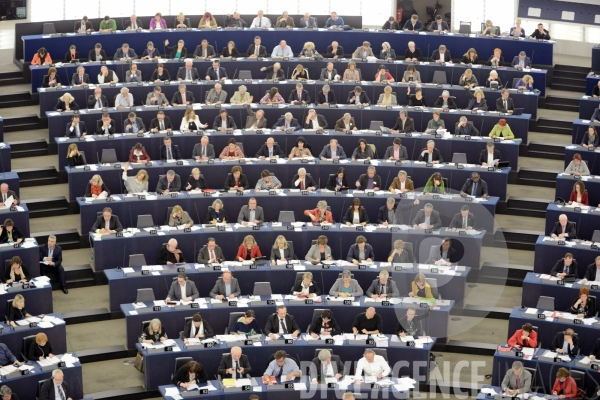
<point x="385" y="130"/>
<point x="503" y="164"/>
<point x="518" y="111"/>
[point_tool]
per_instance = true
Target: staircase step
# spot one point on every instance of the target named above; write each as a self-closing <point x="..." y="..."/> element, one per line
<point x="23" y="148"/>
<point x="527" y="202"/>
<point x="83" y="317"/>
<point x="130" y="393"/>
<point x="12" y="81"/>
<point x="573" y="81"/>
<point x="518" y="239"/>
<point x="30" y="177"/>
<point x="545" y="125"/>
<point x="503" y="274"/>
<point x="105" y="354"/>
<point x="48" y="207"/>
<point x="22" y="123"/>
<point x="541" y="174"/>
<point x="571" y="69"/>
<point x="543" y="154"/>
<point x="67" y="239"/>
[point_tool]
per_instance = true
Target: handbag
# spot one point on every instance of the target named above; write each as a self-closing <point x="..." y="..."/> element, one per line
<point x="139" y="362"/>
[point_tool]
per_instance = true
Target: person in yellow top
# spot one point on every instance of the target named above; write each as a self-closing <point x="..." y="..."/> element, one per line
<point x="501" y="129"/>
<point x="420" y="287"/>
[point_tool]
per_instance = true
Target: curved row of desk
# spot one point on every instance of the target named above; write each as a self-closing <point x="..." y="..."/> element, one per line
<point x="548" y="252"/>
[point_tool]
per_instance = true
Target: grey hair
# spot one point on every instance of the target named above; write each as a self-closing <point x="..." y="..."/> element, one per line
<point x="5" y="390"/>
<point x="346" y="274"/>
<point x="463" y="118"/>
<point x="277" y="65"/>
<point x="324" y="355"/>
<point x="56" y="372"/>
<point x="369" y="351"/>
<point x="386" y="44"/>
<point x="430" y="142"/>
<point x="182" y="85"/>
<point x="299" y="84"/>
<point x="517" y="365"/>
<point x="322" y="204"/>
<point x="493" y="72"/>
<point x="404" y="113"/>
<point x="390" y="200"/>
<point x="402" y="172"/>
<point x="243" y="88"/>
<point x="347" y="115"/>
<point x="52" y="237"/>
<point x="445" y="93"/>
<point x="171" y="172"/>
<point x="301" y="171"/>
<point x="384" y="273"/>
<point x="411" y="42"/>
<point x="288" y="115"/>
<point x="326" y="87"/>
<point x="429" y="205"/>
<point x="171" y="241"/>
<point x="124" y="89"/>
<point x="371" y="168"/>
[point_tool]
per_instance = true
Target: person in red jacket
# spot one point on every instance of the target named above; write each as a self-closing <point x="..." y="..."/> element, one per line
<point x="248" y="250"/>
<point x="564" y="385"/>
<point x="525" y="337"/>
<point x="138" y="154"/>
<point x="579" y="194"/>
<point x="41" y="57"/>
<point x="320" y="214"/>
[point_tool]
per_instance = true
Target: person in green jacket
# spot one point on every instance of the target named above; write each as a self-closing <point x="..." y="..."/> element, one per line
<point x="436" y="123"/>
<point x="501" y="129"/>
<point x="435" y="184"/>
<point x="108" y="24"/>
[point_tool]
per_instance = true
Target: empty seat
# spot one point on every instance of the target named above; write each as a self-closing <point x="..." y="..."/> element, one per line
<point x="262" y="289"/>
<point x="434" y="287"/>
<point x="286" y="216"/>
<point x="145" y="221"/>
<point x="109" y="156"/>
<point x="374" y="125"/>
<point x="459" y="158"/>
<point x="545" y="303"/>
<point x="440" y="77"/>
<point x="515" y="80"/>
<point x="83" y="156"/>
<point x="27" y="341"/>
<point x="596" y="236"/>
<point x="245" y="74"/>
<point x="144" y="295"/>
<point x="381" y="352"/>
<point x="233" y="317"/>
<point x="465" y="27"/>
<point x="137" y="260"/>
<point x="48" y="28"/>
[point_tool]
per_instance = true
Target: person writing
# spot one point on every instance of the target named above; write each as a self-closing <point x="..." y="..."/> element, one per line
<point x="524" y="337"/>
<point x="17" y="273"/>
<point x="324" y="325"/>
<point x="197" y="328"/>
<point x="564" y="386"/>
<point x="420" y="287"/>
<point x="154" y="332"/>
<point x="41" y="348"/>
<point x="306" y="287"/>
<point x="410" y="324"/>
<point x="190" y="373"/>
<point x="517" y="380"/>
<point x="17" y="311"/>
<point x="245" y="325"/>
<point x="346" y="286"/>
<point x="566" y="343"/>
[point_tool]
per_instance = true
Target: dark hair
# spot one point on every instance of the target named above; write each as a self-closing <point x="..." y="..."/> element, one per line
<point x="301" y="140"/>
<point x="8" y="222"/>
<point x="327" y="314"/>
<point x="16" y="260"/>
<point x="181" y="275"/>
<point x="527" y="327"/>
<point x="280" y="354"/>
<point x="197" y="317"/>
<point x="356" y="202"/>
<point x="236" y="168"/>
<point x="341" y="170"/>
<point x="397" y="140"/>
<point x="222" y="110"/>
<point x="249" y="314"/>
<point x="577" y="156"/>
<point x="193" y="366"/>
<point x="265" y="173"/>
<point x="232" y="140"/>
<point x="272" y="92"/>
<point x="436" y="175"/>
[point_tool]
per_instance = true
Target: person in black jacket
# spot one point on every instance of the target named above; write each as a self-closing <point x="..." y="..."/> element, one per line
<point x="191" y="372"/>
<point x="592" y="272"/>
<point x="595" y="353"/>
<point x="216" y="213"/>
<point x="563" y="229"/>
<point x="281" y="322"/>
<point x="71" y="55"/>
<point x="97" y="54"/>
<point x="566" y="343"/>
<point x="160" y="74"/>
<point x="362" y="183"/>
<point x="236" y="180"/>
<point x="356" y="214"/>
<point x="196" y="181"/>
<point x="106" y="124"/>
<point x="410" y="325"/>
<point x="484" y="156"/>
<point x="17" y="310"/>
<point x="66" y="103"/>
<point x="445" y="101"/>
<point x="306" y="286"/>
<point x="338" y="181"/>
<point x="97" y="100"/>
<point x="566" y="266"/>
<point x="9" y="233"/>
<point x="383" y="216"/>
<point x="52" y="79"/>
<point x="197" y="328"/>
<point x="436" y="156"/>
<point x="48" y="388"/>
<point x="584" y="306"/>
<point x="265" y="150"/>
<point x="114" y="225"/>
<point x="253" y="52"/>
<point x="169" y="151"/>
<point x="155" y="124"/>
<point x="326" y="96"/>
<point x="7" y="394"/>
<point x="17" y="271"/>
<point x="334" y="51"/>
<point x="176" y="48"/>
<point x="170" y="254"/>
<point x="324" y="324"/>
<point x="391" y="24"/>
<point x="273" y="72"/>
<point x="41" y="348"/>
<point x="95" y="187"/>
<point x="242" y="365"/>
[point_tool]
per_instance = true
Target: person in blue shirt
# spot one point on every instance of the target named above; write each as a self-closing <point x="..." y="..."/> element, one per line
<point x="281" y="366"/>
<point x="334" y="22"/>
<point x="6" y="357"/>
<point x="283" y="50"/>
<point x="525" y="83"/>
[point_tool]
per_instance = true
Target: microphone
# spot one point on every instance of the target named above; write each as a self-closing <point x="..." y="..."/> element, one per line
<point x="322" y="282"/>
<point x="388" y="178"/>
<point x="216" y="48"/>
<point x="288" y="72"/>
<point x="130" y="217"/>
<point x="481" y="130"/>
<point x="577" y="134"/>
<point x="124" y="253"/>
<point x="577" y="233"/>
<point x="98" y="157"/>
<point x="341" y="254"/>
<point x="428" y="58"/>
<point x="452" y="77"/>
<point x="167" y="286"/>
<point x="531" y="58"/>
<point x="342" y="214"/>
<point x="234" y="76"/>
<point x="319" y="188"/>
<point x="450" y="185"/>
<point x="197" y="214"/>
<point x="412" y="154"/>
<point x="2" y="163"/>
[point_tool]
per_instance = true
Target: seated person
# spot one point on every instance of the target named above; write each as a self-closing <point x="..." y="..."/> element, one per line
<point x="41" y="57"/>
<point x="17" y="273"/>
<point x="74" y="156"/>
<point x="216" y="214"/>
<point x="300" y="150"/>
<point x="134" y="124"/>
<point x="368" y="323"/>
<point x="169" y="151"/>
<point x="592" y="273"/>
<point x="232" y="151"/>
<point x="389" y="213"/>
<point x="267" y="182"/>
<point x="413" y="24"/>
<point x="327" y="366"/>
<point x="138" y="154"/>
<point x="216" y="95"/>
<point x="477" y="101"/>
<point x="404" y="124"/>
<point x="326" y="96"/>
<point x="235" y="365"/>
<point x="488" y="157"/>
<point x="505" y="104"/>
<point x="402" y="183"/>
<point x="595" y="354"/>
<point x="245" y="325"/>
<point x="287" y="122"/>
<point x="371" y="366"/>
<point x="251" y="213"/>
<point x="470" y="57"/>
<point x="170" y="254"/>
<point x="270" y="149"/>
<point x="156" y="97"/>
<point x="438" y="25"/>
<point x="17" y="311"/>
<point x="420" y="288"/>
<point x="566" y="343"/>
<point x="197" y="328"/>
<point x="53" y="80"/>
<point x="443" y="255"/>
<point x="383" y="76"/>
<point x="468" y="80"/>
<point x="248" y="250"/>
<point x="591" y="138"/>
<point x="107" y="222"/>
<point x="176" y="52"/>
<point x="502" y="130"/>
<point x="579" y="196"/>
<point x="225" y="288"/>
<point x="236" y="180"/>
<point x="441" y="55"/>
<point x="66" y="103"/>
<point x="332" y="151"/>
<point x="387" y="98"/>
<point x="337" y="181"/>
<point x="410" y="324"/>
<point x="521" y="61"/>
<point x="346" y="286"/>
<point x="369" y="181"/>
<point x="282" y="366"/>
<point x="358" y="97"/>
<point x="320" y="214"/>
<point x="490" y="29"/>
<point x="524" y="337"/>
<point x="398" y="254"/>
<point x="324" y="325"/>
<point x="319" y="251"/>
<point x="427" y="216"/>
<point x="196" y="181"/>
<point x="190" y="373"/>
<point x="182" y="96"/>
<point x="183" y="289"/>
<point x="281" y="323"/>
<point x="272" y="97"/>
<point x="387" y="53"/>
<point x="281" y="251"/>
<point x="303" y="181"/>
<point x="566" y="266"/>
<point x="274" y="72"/>
<point x="435" y="184"/>
<point x="224" y="122"/>
<point x="170" y="182"/>
<point x="577" y="166"/>
<point x="413" y="53"/>
<point x="363" y="51"/>
<point x="445" y="101"/>
<point x="300" y="95"/>
<point x="345" y="124"/>
<point x="496" y="60"/>
<point x="493" y="80"/>
<point x="475" y="186"/>
<point x="107" y="75"/>
<point x="363" y="151"/>
<point x="525" y="83"/>
<point x="8" y="358"/>
<point x="40" y="349"/>
<point x="351" y="74"/>
<point x="564" y="385"/>
<point x="230" y="51"/>
<point x="563" y="229"/>
<point x="328" y="73"/>
<point x="306" y="287"/>
<point x="94" y="188"/>
<point x="436" y="122"/>
<point x="463" y="220"/>
<point x="465" y="127"/>
<point x="417" y="99"/>
<point x="241" y="96"/>
<point x="315" y="121"/>
<point x="411" y="75"/>
<point x="211" y="253"/>
<point x="355" y="215"/>
<point x="517" y="380"/>
<point x="584" y="306"/>
<point x="9" y="233"/>
<point x="106" y="125"/>
<point x="382" y="287"/>
<point x="154" y="332"/>
<point x="360" y="251"/>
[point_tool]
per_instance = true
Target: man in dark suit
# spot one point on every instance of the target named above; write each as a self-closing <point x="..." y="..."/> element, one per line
<point x="326" y="362"/>
<point x="256" y="50"/>
<point x="281" y="323"/>
<point x="404" y="124"/>
<point x="182" y="96"/>
<point x="105" y="125"/>
<point x="76" y="127"/>
<point x="107" y="222"/>
<point x="357" y="96"/>
<point x="245" y="216"/>
<point x="223" y="121"/>
<point x="382" y="286"/>
<point x="431" y="154"/>
<point x="413" y="24"/>
<point x="270" y="150"/>
<point x="463" y="220"/>
<point x="370" y="180"/>
<point x="315" y="121"/>
<point x="216" y="72"/>
<point x="204" y="50"/>
<point x="441" y="55"/>
<point x="442" y="254"/>
<point x="565" y="266"/>
<point x="505" y="104"/>
<point x="299" y="96"/>
<point x="521" y="61"/>
<point x="51" y="259"/>
<point x="97" y="54"/>
<point x="326" y="96"/>
<point x="203" y="150"/>
<point x="211" y="253"/>
<point x="593" y="271"/>
<point x="226" y="287"/>
<point x="287" y="122"/>
<point x="475" y="186"/>
<point x="389" y="214"/>
<point x="328" y="73"/>
<point x="125" y="53"/>
<point x="334" y="51"/>
<point x="329" y="149"/>
<point x="428" y="216"/>
<point x="182" y="289"/>
<point x="168" y="151"/>
<point x="84" y="25"/>
<point x="52" y="386"/>
<point x="465" y="127"/>
<point x="303" y="181"/>
<point x="161" y="123"/>
<point x="134" y="124"/>
<point x="274" y="71"/>
<point x="396" y="151"/>
<point x="569" y="338"/>
<point x="133" y="23"/>
<point x="170" y="182"/>
<point x="188" y="73"/>
<point x="80" y="77"/>
<point x="540" y="33"/>
<point x="234" y="365"/>
<point x="97" y="100"/>
<point x="563" y="229"/>
<point x="307" y="21"/>
<point x="487" y="156"/>
<point x="438" y="25"/>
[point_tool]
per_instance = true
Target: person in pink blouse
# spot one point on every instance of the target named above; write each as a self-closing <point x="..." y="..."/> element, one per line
<point x="273" y="97"/>
<point x="232" y="151"/>
<point x="383" y="76"/>
<point x="158" y="22"/>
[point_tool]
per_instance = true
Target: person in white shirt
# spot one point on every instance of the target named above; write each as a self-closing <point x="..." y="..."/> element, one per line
<point x="107" y="76"/>
<point x="283" y="50"/>
<point x="124" y="99"/>
<point x="372" y="365"/>
<point x="261" y="21"/>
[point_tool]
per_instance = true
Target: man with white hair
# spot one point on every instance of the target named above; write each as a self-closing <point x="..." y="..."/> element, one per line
<point x="427" y="216"/>
<point x="51" y="259"/>
<point x="260" y="21"/>
<point x="274" y="72"/>
<point x="171" y="182"/>
<point x="383" y="287"/>
<point x="303" y="181"/>
<point x="465" y="127"/>
<point x="326" y="365"/>
<point x="282" y="50"/>
<point x="55" y="388"/>
<point x="107" y="75"/>
<point x="234" y="365"/>
<point x="307" y="21"/>
<point x="371" y="365"/>
<point x="369" y="181"/>
<point x="563" y="229"/>
<point x="170" y="254"/>
<point x="287" y="122"/>
<point x="80" y="77"/>
<point x="5" y="194"/>
<point x="124" y="99"/>
<point x="188" y="73"/>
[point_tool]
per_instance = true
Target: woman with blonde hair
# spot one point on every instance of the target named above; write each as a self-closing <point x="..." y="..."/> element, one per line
<point x="241" y="96"/>
<point x="387" y="98"/>
<point x="248" y="250"/>
<point x="477" y="101"/>
<point x="493" y="77"/>
<point x="306" y="287"/>
<point x="66" y="102"/>
<point x="351" y="73"/>
<point x="180" y="21"/>
<point x="191" y="122"/>
<point x="489" y="29"/>
<point x="420" y="287"/>
<point x="309" y="51"/>
<point x="17" y="310"/>
<point x="525" y="83"/>
<point x="300" y="73"/>
<point x="216" y="213"/>
<point x="398" y="254"/>
<point x="154" y="332"/>
<point x="74" y="157"/>
<point x="179" y="217"/>
<point x="40" y="349"/>
<point x="470" y="57"/>
<point x="468" y="80"/>
<point x="96" y="187"/>
<point x="17" y="271"/>
<point x="196" y="181"/>
<point x="137" y="183"/>
<point x="230" y="51"/>
<point x="281" y="251"/>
